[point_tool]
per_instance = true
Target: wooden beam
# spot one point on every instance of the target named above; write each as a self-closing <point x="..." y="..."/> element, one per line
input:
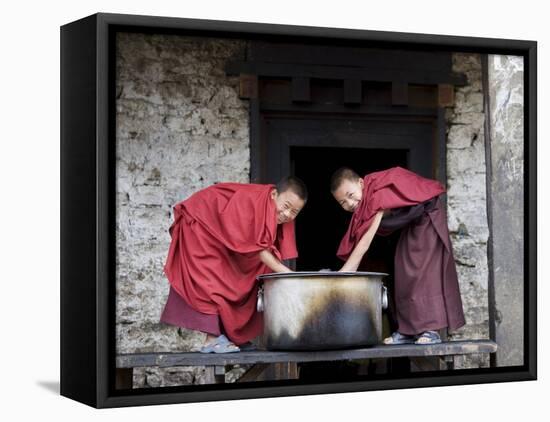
<point x="359" y="109"/>
<point x="255" y="373"/>
<point x="258" y="158"/>
<point x="259" y="356"/>
<point x="248" y="86"/>
<point x="124" y="378"/>
<point x="292" y="70"/>
<point x="399" y="94"/>
<point x="353" y="91"/>
<point x="285" y="370"/>
<point x="339" y="55"/>
<point x="271" y="371"/>
<point x="213" y="375"/>
<point x="419" y="364"/>
<point x="301" y="90"/>
<point x="219" y="371"/>
<point x="445" y="95"/>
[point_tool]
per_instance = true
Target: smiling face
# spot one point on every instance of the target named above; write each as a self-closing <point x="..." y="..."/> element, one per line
<point x="349" y="194"/>
<point x="288" y="205"/>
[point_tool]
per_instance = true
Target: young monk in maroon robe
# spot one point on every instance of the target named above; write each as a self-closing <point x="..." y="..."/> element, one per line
<point x="427" y="296"/>
<point x="223" y="237"/>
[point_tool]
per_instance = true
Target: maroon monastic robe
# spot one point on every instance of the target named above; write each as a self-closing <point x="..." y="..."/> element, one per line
<point x="213" y="258"/>
<point x="427" y="295"/>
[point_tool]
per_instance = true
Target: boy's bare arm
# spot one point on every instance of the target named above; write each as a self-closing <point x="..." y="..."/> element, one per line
<point x="276" y="266"/>
<point x="363" y="245"/>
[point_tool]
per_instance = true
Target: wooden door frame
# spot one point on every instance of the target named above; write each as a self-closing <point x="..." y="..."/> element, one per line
<point x="261" y="113"/>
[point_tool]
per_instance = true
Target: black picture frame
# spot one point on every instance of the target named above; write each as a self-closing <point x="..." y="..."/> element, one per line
<point x="88" y="214"/>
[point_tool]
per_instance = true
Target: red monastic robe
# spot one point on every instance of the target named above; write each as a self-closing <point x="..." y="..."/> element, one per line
<point x="213" y="258"/>
<point x="427" y="295"/>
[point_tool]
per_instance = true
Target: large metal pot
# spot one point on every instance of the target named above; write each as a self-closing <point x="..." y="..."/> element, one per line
<point x="322" y="310"/>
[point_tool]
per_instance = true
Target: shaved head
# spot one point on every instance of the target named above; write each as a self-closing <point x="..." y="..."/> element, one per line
<point x="340" y="175"/>
<point x="294" y="184"/>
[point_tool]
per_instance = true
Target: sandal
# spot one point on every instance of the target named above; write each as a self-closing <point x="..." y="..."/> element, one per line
<point x="398" y="338"/>
<point x="220" y="345"/>
<point x="428" y="337"/>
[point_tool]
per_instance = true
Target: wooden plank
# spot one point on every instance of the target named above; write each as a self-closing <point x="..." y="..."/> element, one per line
<point x="422" y="96"/>
<point x="124" y="378"/>
<point x="441" y="148"/>
<point x="255" y="373"/>
<point x="293" y="370"/>
<point x="257" y="153"/>
<point x="340" y="55"/>
<point x="286" y="70"/>
<point x="338" y="108"/>
<point x="271" y="371"/>
<point x="213" y="376"/>
<point x="419" y="364"/>
<point x="248" y="86"/>
<point x="285" y="370"/>
<point x="301" y="90"/>
<point x="450" y="361"/>
<point x="353" y="91"/>
<point x="209" y="375"/>
<point x="254" y="357"/>
<point x="445" y="95"/>
<point x="399" y="94"/>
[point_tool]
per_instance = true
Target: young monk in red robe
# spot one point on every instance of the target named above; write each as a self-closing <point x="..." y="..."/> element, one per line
<point x="427" y="296"/>
<point x="223" y="237"/>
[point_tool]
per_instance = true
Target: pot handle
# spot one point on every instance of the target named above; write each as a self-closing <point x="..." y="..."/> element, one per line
<point x="384" y="297"/>
<point x="260" y="300"/>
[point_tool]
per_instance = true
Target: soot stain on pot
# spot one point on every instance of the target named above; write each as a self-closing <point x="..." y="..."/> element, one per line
<point x="335" y="320"/>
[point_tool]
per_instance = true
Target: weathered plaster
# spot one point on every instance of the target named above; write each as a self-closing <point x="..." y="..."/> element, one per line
<point x="506" y="116"/>
<point x="180" y="127"/>
<point x="467" y="202"/>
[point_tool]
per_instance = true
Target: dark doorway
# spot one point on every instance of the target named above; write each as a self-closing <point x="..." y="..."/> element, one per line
<point x="369" y="110"/>
<point x="312" y="146"/>
<point x="322" y="223"/>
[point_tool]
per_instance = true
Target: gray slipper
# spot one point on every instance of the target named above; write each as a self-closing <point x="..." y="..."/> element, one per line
<point x="432" y="337"/>
<point x="398" y="338"/>
<point x="220" y="345"/>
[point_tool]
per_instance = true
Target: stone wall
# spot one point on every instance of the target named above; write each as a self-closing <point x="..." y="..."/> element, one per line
<point x="467" y="202"/>
<point x="180" y="127"/>
<point x="506" y="127"/>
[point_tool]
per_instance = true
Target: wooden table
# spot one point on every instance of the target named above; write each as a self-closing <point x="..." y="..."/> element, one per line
<point x="286" y="360"/>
